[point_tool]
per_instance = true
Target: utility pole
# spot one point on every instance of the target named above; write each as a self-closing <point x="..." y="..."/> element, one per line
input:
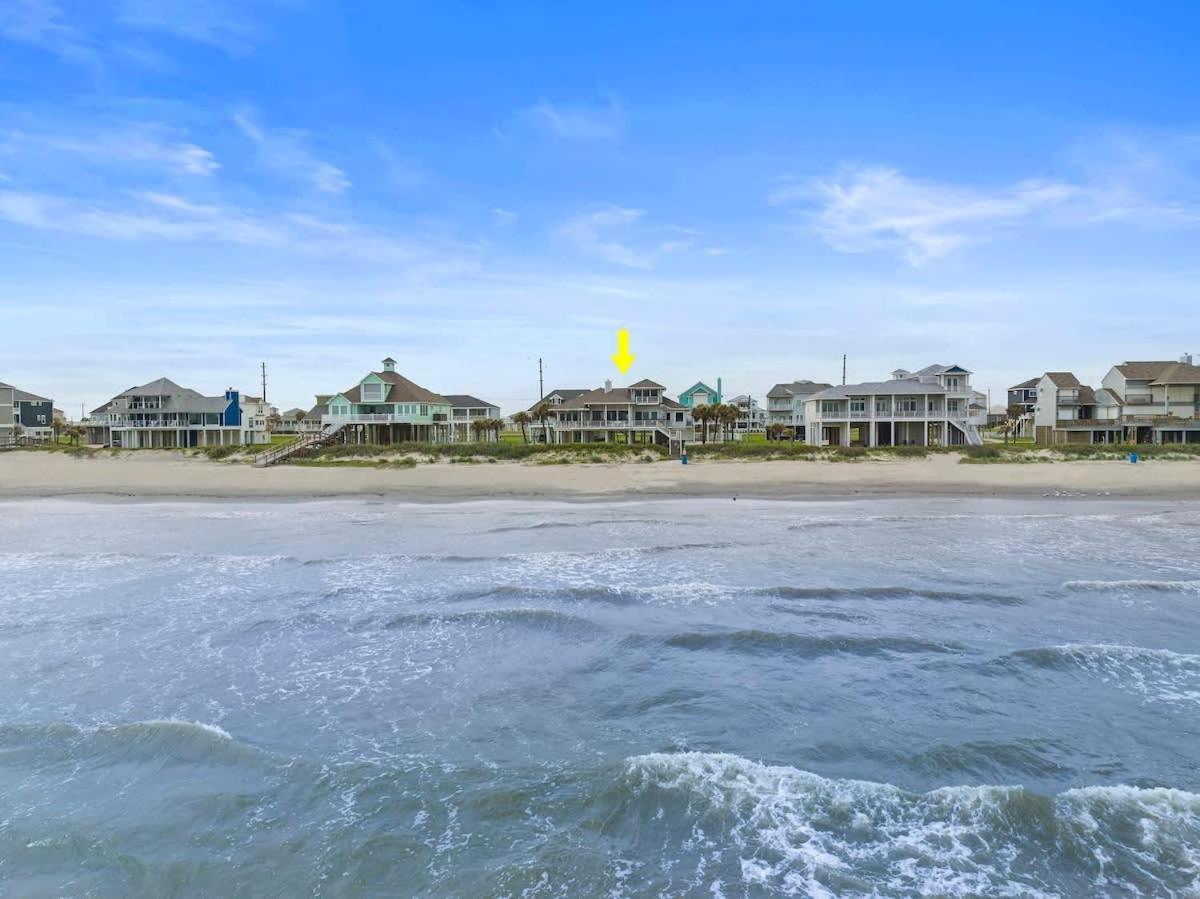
<point x="843" y="369"/>
<point x="264" y="383"/>
<point x="541" y="381"/>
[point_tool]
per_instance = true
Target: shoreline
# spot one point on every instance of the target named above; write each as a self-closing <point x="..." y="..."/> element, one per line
<point x="167" y="475"/>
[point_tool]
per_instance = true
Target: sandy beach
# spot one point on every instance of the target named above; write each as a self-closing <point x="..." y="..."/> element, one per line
<point x="163" y="474"/>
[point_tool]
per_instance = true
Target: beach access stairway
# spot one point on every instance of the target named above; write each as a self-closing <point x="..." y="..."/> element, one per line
<point x="302" y="444"/>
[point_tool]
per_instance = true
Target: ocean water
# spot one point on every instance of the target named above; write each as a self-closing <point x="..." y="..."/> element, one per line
<point x="687" y="698"/>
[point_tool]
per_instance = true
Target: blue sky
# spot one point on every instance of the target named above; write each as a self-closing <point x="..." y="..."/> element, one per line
<point x="191" y="187"/>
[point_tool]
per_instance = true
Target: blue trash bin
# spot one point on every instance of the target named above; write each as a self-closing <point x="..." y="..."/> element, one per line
<point x="1133" y="458"/>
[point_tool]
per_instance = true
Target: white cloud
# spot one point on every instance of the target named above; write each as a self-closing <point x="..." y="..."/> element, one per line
<point x="224" y="24"/>
<point x="40" y="23"/>
<point x="636" y="247"/>
<point x="286" y="152"/>
<point x="139" y="143"/>
<point x="158" y="216"/>
<point x="504" y="216"/>
<point x="869" y="209"/>
<point x="579" y="122"/>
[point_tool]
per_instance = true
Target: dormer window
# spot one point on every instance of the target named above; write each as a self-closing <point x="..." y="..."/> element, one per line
<point x="372" y="392"/>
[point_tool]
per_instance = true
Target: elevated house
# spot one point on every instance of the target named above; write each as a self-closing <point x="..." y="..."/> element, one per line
<point x="1161" y="400"/>
<point x="25" y="415"/>
<point x="785" y="404"/>
<point x="540" y="432"/>
<point x="1070" y="412"/>
<point x="1022" y="399"/>
<point x="163" y="415"/>
<point x="700" y="394"/>
<point x="752" y="417"/>
<point x="257" y="413"/>
<point x="639" y="413"/>
<point x="290" y="421"/>
<point x="465" y="409"/>
<point x="386" y="407"/>
<point x="930" y="407"/>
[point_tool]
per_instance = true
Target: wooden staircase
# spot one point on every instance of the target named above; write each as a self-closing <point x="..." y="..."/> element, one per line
<point x="302" y="444"/>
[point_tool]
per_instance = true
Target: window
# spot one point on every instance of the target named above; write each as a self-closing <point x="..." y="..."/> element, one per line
<point x="907" y="405"/>
<point x="881" y="407"/>
<point x="424" y="410"/>
<point x="372" y="393"/>
<point x="858" y="405"/>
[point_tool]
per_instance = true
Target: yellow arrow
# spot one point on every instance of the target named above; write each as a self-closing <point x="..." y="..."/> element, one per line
<point x="622" y="358"/>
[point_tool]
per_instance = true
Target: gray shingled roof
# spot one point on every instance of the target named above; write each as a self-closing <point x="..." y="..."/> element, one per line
<point x="24" y="396"/>
<point x="461" y="400"/>
<point x="796" y="388"/>
<point x="567" y="395"/>
<point x="1026" y="385"/>
<point x="615" y="395"/>
<point x="903" y="387"/>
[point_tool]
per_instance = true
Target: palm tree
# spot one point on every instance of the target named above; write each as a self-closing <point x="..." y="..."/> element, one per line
<point x="702" y="415"/>
<point x="775" y="431"/>
<point x="479" y="425"/>
<point x="728" y="415"/>
<point x="522" y="420"/>
<point x="543" y="413"/>
<point x="497" y="426"/>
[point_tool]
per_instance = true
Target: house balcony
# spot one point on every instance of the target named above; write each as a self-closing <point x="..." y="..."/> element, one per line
<point x="382" y="418"/>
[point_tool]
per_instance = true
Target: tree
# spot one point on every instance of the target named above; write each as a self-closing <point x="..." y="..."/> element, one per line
<point x="728" y="415"/>
<point x="543" y="413"/>
<point x="700" y="415"/>
<point x="479" y="425"/>
<point x="522" y="419"/>
<point x="775" y="431"/>
<point x="497" y="427"/>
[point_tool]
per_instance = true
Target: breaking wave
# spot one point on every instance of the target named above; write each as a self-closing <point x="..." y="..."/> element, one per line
<point x="1157" y="675"/>
<point x="782" y="830"/>
<point x="806" y="645"/>
<point x="1133" y="585"/>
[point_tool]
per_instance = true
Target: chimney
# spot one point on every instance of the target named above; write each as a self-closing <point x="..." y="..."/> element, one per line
<point x="608" y="386"/>
<point x="389" y="364"/>
<point x="720" y="395"/>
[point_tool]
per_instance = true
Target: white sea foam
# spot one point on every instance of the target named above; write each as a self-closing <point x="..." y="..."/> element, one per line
<point x="1159" y="675"/>
<point x="1131" y="585"/>
<point x="801" y="834"/>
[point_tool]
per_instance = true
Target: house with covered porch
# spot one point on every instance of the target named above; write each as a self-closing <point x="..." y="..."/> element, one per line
<point x="930" y="407"/>
<point x="386" y="407"/>
<point x="639" y="413"/>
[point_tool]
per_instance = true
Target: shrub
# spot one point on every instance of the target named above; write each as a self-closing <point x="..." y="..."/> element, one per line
<point x="910" y="452"/>
<point x="981" y="452"/>
<point x="219" y="452"/>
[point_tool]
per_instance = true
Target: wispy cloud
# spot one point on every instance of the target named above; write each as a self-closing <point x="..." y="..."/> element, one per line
<point x="137" y="144"/>
<point x="870" y="209"/>
<point x="399" y="172"/>
<point x="158" y="216"/>
<point x="287" y="153"/>
<point x="579" y="122"/>
<point x="226" y="25"/>
<point x="503" y="216"/>
<point x="41" y="23"/>
<point x="608" y="233"/>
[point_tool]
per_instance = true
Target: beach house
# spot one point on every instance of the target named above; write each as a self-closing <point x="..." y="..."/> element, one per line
<point x="25" y="415"/>
<point x="466" y="409"/>
<point x="929" y="407"/>
<point x="386" y="407"/>
<point x="785" y="404"/>
<point x="1161" y="400"/>
<point x="700" y="394"/>
<point x="544" y="431"/>
<point x="1070" y="412"/>
<point x="163" y="415"/>
<point x="639" y="413"/>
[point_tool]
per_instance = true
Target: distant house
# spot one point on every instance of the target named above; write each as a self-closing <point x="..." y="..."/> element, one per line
<point x="639" y="413"/>
<point x="289" y="421"/>
<point x="700" y="394"/>
<point x="257" y="413"/>
<point x="752" y="417"/>
<point x="1023" y="398"/>
<point x="24" y="414"/>
<point x="929" y="407"/>
<point x="465" y="409"/>
<point x="785" y="404"/>
<point x="163" y="415"/>
<point x="386" y="407"/>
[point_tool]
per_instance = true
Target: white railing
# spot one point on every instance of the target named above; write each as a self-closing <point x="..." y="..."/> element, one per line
<point x="359" y="418"/>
